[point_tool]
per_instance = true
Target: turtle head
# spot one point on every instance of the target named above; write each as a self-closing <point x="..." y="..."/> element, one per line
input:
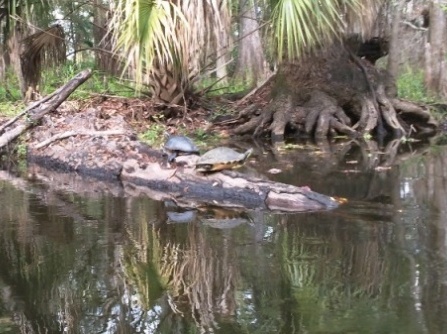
<point x="172" y="156"/>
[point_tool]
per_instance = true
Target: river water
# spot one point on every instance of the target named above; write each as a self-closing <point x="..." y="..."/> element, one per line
<point x="73" y="263"/>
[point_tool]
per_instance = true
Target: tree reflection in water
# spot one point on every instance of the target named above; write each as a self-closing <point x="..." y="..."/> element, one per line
<point x="118" y="265"/>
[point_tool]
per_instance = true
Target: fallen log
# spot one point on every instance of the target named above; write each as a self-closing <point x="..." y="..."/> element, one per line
<point x="142" y="171"/>
<point x="227" y="188"/>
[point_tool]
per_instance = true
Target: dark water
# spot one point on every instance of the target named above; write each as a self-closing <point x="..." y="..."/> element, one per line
<point x="105" y="264"/>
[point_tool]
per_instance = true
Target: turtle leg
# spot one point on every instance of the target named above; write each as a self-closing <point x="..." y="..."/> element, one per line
<point x="172" y="156"/>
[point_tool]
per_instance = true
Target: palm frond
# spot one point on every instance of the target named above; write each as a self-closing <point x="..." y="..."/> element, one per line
<point x="48" y="45"/>
<point x="145" y="31"/>
<point x="301" y="25"/>
<point x="44" y="48"/>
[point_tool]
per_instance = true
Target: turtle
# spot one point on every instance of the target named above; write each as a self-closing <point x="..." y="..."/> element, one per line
<point x="179" y="145"/>
<point x="220" y="158"/>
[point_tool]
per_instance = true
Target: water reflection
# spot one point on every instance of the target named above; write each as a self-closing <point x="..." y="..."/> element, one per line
<point x="107" y="264"/>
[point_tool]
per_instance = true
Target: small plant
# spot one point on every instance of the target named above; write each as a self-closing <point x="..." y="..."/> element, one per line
<point x="21" y="150"/>
<point x="201" y="134"/>
<point x="204" y="138"/>
<point x="410" y="85"/>
<point x="154" y="136"/>
<point x="213" y="88"/>
<point x="9" y="89"/>
<point x="10" y="109"/>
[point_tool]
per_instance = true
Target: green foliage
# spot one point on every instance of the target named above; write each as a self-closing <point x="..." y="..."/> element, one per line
<point x="204" y="138"/>
<point x="10" y="109"/>
<point x="55" y="77"/>
<point x="99" y="83"/>
<point x="299" y="26"/>
<point x="145" y="31"/>
<point x="9" y="89"/>
<point x="213" y="88"/>
<point x="154" y="136"/>
<point x="410" y="85"/>
<point x="21" y="150"/>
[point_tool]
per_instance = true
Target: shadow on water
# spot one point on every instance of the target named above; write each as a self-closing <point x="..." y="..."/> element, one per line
<point x="108" y="264"/>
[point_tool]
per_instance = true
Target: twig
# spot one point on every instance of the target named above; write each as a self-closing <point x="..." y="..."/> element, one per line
<point x="411" y="25"/>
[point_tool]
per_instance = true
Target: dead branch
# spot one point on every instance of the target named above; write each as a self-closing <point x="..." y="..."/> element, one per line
<point x="44" y="106"/>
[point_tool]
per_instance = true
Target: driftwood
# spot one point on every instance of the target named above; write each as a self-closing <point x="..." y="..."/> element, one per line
<point x="74" y="145"/>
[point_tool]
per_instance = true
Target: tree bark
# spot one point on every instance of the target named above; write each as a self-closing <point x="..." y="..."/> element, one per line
<point x="222" y="43"/>
<point x="435" y="51"/>
<point x="105" y="61"/>
<point x="393" y="55"/>
<point x="251" y="60"/>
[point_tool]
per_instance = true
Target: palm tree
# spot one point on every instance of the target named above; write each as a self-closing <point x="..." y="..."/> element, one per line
<point x="167" y="43"/>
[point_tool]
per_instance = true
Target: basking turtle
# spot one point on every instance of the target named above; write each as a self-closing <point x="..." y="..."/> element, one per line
<point x="221" y="158"/>
<point x="179" y="145"/>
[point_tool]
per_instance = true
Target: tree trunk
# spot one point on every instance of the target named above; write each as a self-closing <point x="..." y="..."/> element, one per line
<point x="105" y="60"/>
<point x="221" y="38"/>
<point x="393" y="55"/>
<point x="167" y="85"/>
<point x="435" y="51"/>
<point x="334" y="92"/>
<point x="14" y="50"/>
<point x="251" y="61"/>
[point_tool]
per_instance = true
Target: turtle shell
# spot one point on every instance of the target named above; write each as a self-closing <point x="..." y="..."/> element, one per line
<point x="221" y="158"/>
<point x="177" y="145"/>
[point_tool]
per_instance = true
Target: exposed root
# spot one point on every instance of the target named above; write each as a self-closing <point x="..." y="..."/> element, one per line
<point x="369" y="117"/>
<point x="281" y="118"/>
<point x="389" y="113"/>
<point x="266" y="117"/>
<point x="415" y="117"/>
<point x="326" y="116"/>
<point x="248" y="111"/>
<point x="248" y="127"/>
<point x="320" y="114"/>
<point x="343" y="128"/>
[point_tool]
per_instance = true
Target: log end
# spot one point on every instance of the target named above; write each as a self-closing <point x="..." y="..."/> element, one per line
<point x="306" y="200"/>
